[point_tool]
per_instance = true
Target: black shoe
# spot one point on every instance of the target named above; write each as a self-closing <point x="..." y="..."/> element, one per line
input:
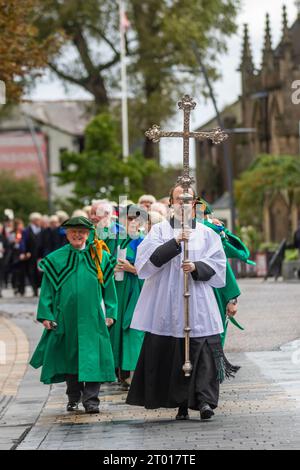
<point x="125" y="386"/>
<point x="72" y="406"/>
<point x="183" y="414"/>
<point x="92" y="410"/>
<point x="205" y="411"/>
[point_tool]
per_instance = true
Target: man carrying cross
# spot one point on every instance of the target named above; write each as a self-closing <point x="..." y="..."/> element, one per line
<point x="177" y="308"/>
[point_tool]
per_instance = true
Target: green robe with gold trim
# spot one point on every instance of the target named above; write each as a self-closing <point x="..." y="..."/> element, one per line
<point x="71" y="295"/>
<point x="127" y="342"/>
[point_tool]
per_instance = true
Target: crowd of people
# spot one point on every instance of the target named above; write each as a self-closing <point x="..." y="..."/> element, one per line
<point x="111" y="298"/>
<point x="22" y="246"/>
<point x="111" y="301"/>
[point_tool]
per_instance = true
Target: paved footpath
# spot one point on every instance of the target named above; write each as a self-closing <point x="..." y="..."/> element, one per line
<point x="22" y="396"/>
<point x="259" y="409"/>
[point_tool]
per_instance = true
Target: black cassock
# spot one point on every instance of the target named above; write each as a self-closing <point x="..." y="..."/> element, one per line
<point x="159" y="381"/>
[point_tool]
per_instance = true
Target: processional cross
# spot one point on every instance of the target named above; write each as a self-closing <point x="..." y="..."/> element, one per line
<point x="217" y="136"/>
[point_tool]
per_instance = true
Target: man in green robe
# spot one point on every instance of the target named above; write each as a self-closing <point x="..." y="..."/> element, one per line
<point x="234" y="248"/>
<point x="127" y="342"/>
<point x="75" y="347"/>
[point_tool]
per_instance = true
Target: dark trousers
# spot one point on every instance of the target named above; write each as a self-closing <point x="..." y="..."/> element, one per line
<point x="18" y="278"/>
<point x="33" y="274"/>
<point x="1" y="273"/>
<point x="87" y="391"/>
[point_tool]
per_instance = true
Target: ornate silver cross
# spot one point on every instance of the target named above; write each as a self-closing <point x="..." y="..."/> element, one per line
<point x="187" y="104"/>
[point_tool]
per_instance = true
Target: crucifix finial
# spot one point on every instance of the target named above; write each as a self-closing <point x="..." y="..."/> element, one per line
<point x="187" y="105"/>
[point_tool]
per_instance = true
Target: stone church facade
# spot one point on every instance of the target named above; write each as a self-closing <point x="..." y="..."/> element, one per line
<point x="263" y="120"/>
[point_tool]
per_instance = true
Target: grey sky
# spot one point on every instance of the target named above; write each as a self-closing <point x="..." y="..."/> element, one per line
<point x="227" y="89"/>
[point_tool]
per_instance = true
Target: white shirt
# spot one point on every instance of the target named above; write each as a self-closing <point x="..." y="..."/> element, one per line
<point x="160" y="308"/>
<point x="36" y="230"/>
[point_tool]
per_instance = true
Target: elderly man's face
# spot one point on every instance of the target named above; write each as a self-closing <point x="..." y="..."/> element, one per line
<point x="146" y="205"/>
<point x="54" y="223"/>
<point x="77" y="237"/>
<point x="37" y="221"/>
<point x="99" y="216"/>
<point x="133" y="225"/>
<point x="177" y="201"/>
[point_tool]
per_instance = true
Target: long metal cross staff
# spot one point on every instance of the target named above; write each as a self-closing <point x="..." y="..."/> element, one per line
<point x="187" y="104"/>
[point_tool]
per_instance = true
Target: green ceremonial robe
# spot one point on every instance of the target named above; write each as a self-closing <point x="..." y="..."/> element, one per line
<point x="234" y="248"/>
<point x="71" y="295"/>
<point x="127" y="342"/>
<point x="116" y="233"/>
<point x="112" y="236"/>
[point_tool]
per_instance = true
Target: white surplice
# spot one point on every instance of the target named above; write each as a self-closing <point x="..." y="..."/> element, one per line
<point x="160" y="308"/>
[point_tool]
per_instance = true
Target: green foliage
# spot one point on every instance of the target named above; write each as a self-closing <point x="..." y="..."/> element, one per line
<point x="164" y="62"/>
<point x="99" y="170"/>
<point x="161" y="64"/>
<point x="250" y="236"/>
<point x="291" y="255"/>
<point x="267" y="174"/>
<point x="269" y="246"/>
<point x="94" y="170"/>
<point x="22" y="52"/>
<point x="21" y="195"/>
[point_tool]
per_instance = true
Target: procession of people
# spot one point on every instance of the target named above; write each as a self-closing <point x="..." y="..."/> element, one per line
<point x="110" y="282"/>
<point x="149" y="194"/>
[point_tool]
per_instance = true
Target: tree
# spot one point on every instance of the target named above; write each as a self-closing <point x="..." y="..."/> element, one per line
<point x="99" y="170"/>
<point x="21" y="50"/>
<point x="268" y="174"/>
<point x="159" y="46"/>
<point x="87" y="25"/>
<point x="21" y="195"/>
<point x="164" y="64"/>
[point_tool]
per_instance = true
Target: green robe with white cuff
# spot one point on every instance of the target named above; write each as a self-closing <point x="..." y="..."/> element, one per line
<point x="72" y="296"/>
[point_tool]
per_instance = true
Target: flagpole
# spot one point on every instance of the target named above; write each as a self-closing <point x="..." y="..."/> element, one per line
<point x="125" y="138"/>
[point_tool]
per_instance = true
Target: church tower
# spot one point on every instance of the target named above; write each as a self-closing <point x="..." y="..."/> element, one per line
<point x="266" y="93"/>
<point x="267" y="119"/>
<point x="246" y="67"/>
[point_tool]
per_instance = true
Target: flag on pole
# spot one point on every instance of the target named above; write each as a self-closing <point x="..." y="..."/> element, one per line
<point x="125" y="23"/>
